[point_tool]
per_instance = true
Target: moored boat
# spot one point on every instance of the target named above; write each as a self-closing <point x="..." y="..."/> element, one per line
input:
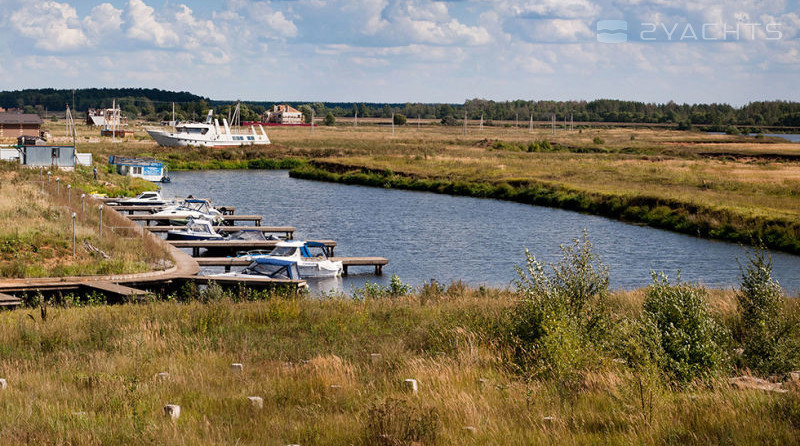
<point x="311" y="257"/>
<point x="208" y="134"/>
<point x="196" y="229"/>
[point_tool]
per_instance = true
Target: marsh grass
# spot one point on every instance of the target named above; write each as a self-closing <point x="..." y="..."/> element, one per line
<point x="89" y="376"/>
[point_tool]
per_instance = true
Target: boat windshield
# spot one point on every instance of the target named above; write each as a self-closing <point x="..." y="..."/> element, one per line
<point x="273" y="271"/>
<point x="148" y="195"/>
<point x="199" y="227"/>
<point x="283" y="251"/>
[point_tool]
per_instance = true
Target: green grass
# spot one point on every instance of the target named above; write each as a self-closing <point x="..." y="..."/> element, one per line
<point x="89" y="376"/>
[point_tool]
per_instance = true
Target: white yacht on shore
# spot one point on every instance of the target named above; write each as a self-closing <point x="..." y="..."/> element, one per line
<point x="209" y="134"/>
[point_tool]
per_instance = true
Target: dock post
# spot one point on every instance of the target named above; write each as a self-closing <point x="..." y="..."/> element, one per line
<point x="378" y="270"/>
<point x="83" y="207"/>
<point x="344" y="270"/>
<point x="69" y="195"/>
<point x="73" y="233"/>
<point x="101" y="221"/>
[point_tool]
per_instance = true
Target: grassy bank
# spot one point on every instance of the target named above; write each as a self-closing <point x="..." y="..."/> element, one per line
<point x="36" y="228"/>
<point x="91" y="376"/>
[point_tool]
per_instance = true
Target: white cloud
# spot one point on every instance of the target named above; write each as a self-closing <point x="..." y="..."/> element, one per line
<point x="51" y="25"/>
<point x="549" y="8"/>
<point x="145" y="27"/>
<point x="105" y="19"/>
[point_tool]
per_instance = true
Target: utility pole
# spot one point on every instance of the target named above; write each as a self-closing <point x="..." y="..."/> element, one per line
<point x="392" y="124"/>
<point x="465" y="122"/>
<point x="530" y="126"/>
<point x="481" y="127"/>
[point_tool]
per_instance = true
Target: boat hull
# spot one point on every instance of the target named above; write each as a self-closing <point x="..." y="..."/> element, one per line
<point x="169" y="139"/>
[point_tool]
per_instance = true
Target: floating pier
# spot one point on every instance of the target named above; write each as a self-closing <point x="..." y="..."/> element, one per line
<point x="228" y="262"/>
<point x="131" y="210"/>
<point x="288" y="231"/>
<point x="234" y="245"/>
<point x="228" y="220"/>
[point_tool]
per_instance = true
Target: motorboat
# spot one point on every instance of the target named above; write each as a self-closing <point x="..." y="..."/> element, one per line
<point x="199" y="229"/>
<point x="191" y="208"/>
<point x="209" y="134"/>
<point x="269" y="267"/>
<point x="151" y="198"/>
<point x="311" y="257"/>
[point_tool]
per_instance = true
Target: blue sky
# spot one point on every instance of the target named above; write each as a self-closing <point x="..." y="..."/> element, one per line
<point x="407" y="50"/>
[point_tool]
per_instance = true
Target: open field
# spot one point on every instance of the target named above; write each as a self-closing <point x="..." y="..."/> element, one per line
<point x="91" y="376"/>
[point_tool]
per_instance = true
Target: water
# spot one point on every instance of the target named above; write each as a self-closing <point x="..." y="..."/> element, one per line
<point x="432" y="236"/>
<point x="791" y="137"/>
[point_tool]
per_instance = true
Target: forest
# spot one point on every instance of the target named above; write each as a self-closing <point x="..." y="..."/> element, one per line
<point x="155" y="104"/>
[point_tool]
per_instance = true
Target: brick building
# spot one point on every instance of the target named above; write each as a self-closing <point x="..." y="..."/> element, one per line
<point x="14" y="125"/>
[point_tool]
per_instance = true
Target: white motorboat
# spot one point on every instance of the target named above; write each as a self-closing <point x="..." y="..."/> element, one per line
<point x="143" y="199"/>
<point x="209" y="134"/>
<point x="268" y="267"/>
<point x="199" y="229"/>
<point x="311" y="257"/>
<point x="190" y="208"/>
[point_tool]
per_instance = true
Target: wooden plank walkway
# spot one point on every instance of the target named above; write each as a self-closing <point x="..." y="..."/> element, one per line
<point x="249" y="282"/>
<point x="9" y="301"/>
<point x="288" y="230"/>
<point x="226" y="219"/>
<point x="226" y="210"/>
<point x="115" y="289"/>
<point x="233" y="245"/>
<point x="228" y="262"/>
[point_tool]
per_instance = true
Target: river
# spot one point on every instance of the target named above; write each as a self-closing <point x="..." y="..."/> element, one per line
<point x="433" y="236"/>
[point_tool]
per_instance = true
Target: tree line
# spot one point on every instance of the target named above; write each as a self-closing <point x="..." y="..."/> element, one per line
<point x="155" y="104"/>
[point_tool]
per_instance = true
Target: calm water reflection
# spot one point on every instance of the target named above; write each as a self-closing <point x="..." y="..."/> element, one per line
<point x="432" y="236"/>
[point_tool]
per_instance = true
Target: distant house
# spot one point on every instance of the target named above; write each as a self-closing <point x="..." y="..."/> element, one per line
<point x="147" y="168"/>
<point x="284" y="114"/>
<point x="105" y="117"/>
<point x="14" y="125"/>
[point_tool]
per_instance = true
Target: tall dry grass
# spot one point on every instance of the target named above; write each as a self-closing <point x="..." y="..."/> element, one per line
<point x="90" y="376"/>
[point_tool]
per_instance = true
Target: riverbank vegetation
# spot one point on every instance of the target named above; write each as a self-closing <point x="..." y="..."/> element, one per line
<point x="558" y="358"/>
<point x="36" y="227"/>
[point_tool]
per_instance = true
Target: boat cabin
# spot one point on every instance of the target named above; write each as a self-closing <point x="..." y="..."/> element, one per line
<point x="273" y="268"/>
<point x="146" y="168"/>
<point x="303" y="249"/>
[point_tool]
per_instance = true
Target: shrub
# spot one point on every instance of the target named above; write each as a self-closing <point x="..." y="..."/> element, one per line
<point x="768" y="338"/>
<point x="689" y="335"/>
<point x="598" y="140"/>
<point x="330" y="119"/>
<point x="399" y="119"/>
<point x="561" y="321"/>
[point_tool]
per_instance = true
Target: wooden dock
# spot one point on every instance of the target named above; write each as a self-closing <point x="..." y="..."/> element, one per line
<point x="249" y="282"/>
<point x="131" y="210"/>
<point x="228" y="262"/>
<point x="287" y="230"/>
<point x="227" y="220"/>
<point x="234" y="245"/>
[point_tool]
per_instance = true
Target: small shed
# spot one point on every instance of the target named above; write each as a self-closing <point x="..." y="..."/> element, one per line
<point x="62" y="157"/>
<point x="148" y="168"/>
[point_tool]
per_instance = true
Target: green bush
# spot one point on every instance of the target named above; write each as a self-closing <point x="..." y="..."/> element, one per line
<point x="330" y="119"/>
<point x="769" y="340"/>
<point x="561" y="322"/>
<point x="399" y="119"/>
<point x="689" y="336"/>
<point x="598" y="140"/>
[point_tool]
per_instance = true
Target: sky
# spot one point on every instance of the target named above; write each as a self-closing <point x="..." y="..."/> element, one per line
<point x="409" y="50"/>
